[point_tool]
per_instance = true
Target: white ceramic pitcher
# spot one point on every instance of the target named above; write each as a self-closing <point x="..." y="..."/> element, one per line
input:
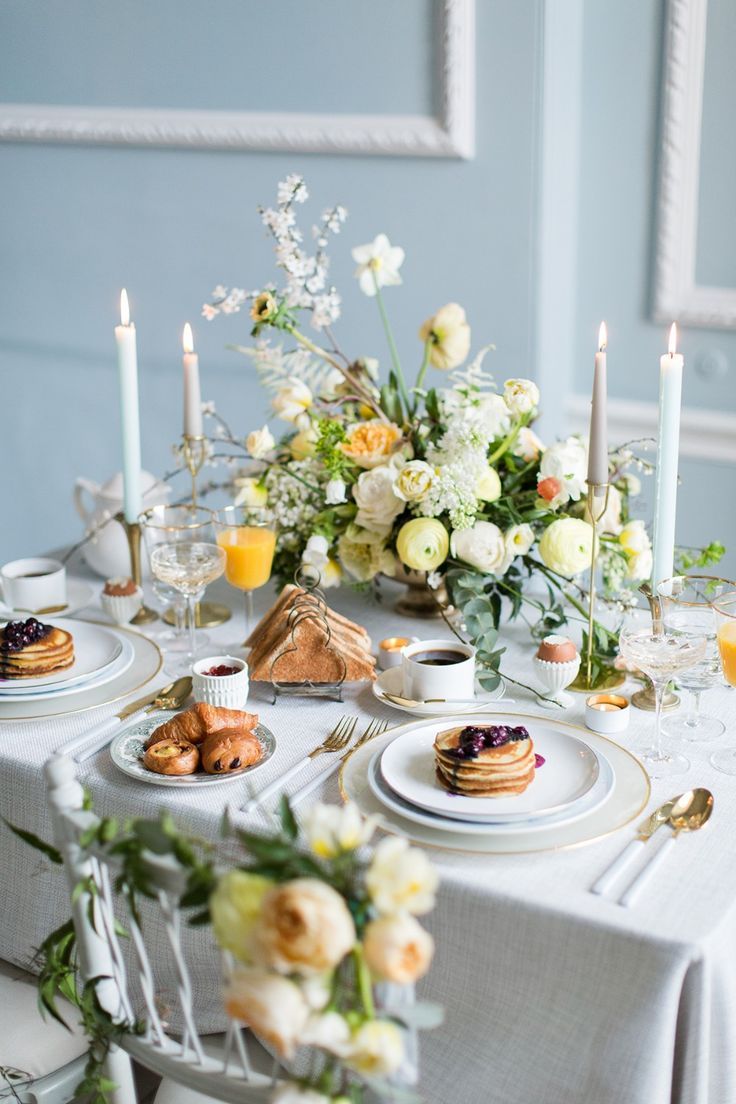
<point x="107" y="551"/>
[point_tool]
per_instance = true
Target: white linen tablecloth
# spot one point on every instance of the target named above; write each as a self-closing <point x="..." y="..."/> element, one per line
<point x="552" y="995"/>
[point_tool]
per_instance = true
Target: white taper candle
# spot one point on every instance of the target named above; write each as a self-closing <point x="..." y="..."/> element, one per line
<point x="192" y="393"/>
<point x="129" y="413"/>
<point x="668" y="449"/>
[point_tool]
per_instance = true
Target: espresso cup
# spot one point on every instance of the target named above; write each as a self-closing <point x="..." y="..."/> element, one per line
<point x="33" y="584"/>
<point x="438" y="669"/>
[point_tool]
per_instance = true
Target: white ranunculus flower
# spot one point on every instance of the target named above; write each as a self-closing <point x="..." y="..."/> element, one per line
<point x="378" y="264"/>
<point x="376" y="1048"/>
<point x="635" y="542"/>
<point x="249" y="492"/>
<point x="449" y="335"/>
<point x="333" y="829"/>
<point x="521" y="395"/>
<point x="482" y="546"/>
<point x="527" y="445"/>
<point x="374" y="495"/>
<point x="518" y="540"/>
<point x="397" y="948"/>
<point x="494" y="415"/>
<point x="610" y="522"/>
<point x="292" y="1093"/>
<point x="640" y="565"/>
<point x="292" y="400"/>
<point x="328" y="1031"/>
<point x="401" y="878"/>
<point x="488" y="488"/>
<point x="335" y="492"/>
<point x="304" y="928"/>
<point x="270" y="1004"/>
<point x="566" y="546"/>
<point x="260" y="442"/>
<point x="413" y="481"/>
<point x="315" y="551"/>
<point x="567" y="462"/>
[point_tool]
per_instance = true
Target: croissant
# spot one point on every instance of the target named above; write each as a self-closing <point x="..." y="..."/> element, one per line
<point x="227" y="751"/>
<point x="200" y="721"/>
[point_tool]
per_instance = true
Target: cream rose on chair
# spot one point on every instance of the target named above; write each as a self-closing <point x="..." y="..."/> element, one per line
<point x="270" y="1004"/>
<point x="376" y="1048"/>
<point x="448" y="334"/>
<point x="397" y="948"/>
<point x="304" y="928"/>
<point x="333" y="829"/>
<point x="401" y="878"/>
<point x="566" y="546"/>
<point x="482" y="546"/>
<point x="374" y="496"/>
<point x="235" y="908"/>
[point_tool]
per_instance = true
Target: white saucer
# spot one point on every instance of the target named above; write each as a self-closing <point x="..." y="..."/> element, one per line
<point x="593" y="800"/>
<point x="392" y="681"/>
<point x="570" y="770"/>
<point x="78" y="596"/>
<point x="95" y="649"/>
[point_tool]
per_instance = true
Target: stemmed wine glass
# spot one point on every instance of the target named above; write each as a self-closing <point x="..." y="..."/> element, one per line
<point x="247" y="535"/>
<point x="724" y="607"/>
<point x="661" y="655"/>
<point x="687" y="610"/>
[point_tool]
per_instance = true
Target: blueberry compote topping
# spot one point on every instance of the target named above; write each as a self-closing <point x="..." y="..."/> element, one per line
<point x="19" y="634"/>
<point x="473" y="739"/>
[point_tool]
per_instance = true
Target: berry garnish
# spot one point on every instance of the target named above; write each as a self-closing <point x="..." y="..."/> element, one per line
<point x="18" y="635"/>
<point x="539" y="760"/>
<point x="222" y="669"/>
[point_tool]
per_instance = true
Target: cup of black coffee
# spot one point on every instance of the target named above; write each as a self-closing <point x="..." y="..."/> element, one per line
<point x="438" y="669"/>
<point x="33" y="584"/>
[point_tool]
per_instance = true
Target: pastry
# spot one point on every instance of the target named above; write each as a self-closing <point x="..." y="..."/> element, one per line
<point x="227" y="751"/>
<point x="121" y="599"/>
<point x="119" y="588"/>
<point x="200" y="721"/>
<point x="171" y="757"/>
<point x="30" y="648"/>
<point x="484" y="760"/>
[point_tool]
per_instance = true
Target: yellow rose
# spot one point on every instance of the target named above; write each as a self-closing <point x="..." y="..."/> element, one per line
<point x="566" y="546"/>
<point x="423" y="543"/>
<point x="305" y="927"/>
<point x="449" y="335"/>
<point x="397" y="948"/>
<point x="235" y="907"/>
<point x="488" y="487"/>
<point x="370" y="443"/>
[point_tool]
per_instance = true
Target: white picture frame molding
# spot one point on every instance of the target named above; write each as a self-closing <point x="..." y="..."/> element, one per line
<point x="450" y="134"/>
<point x="677" y="296"/>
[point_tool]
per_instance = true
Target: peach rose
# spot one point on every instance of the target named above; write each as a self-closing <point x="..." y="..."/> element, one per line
<point x="371" y="443"/>
<point x="305" y="928"/>
<point x="397" y="948"/>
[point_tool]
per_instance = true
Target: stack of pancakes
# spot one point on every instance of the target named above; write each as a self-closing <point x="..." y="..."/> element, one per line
<point x="53" y="652"/>
<point x="484" y="760"/>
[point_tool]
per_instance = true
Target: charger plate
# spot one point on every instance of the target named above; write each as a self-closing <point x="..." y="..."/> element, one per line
<point x="147" y="662"/>
<point x="631" y="793"/>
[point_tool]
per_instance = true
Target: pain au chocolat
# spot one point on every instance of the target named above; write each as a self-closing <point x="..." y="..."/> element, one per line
<point x="29" y="649"/>
<point x="484" y="760"/>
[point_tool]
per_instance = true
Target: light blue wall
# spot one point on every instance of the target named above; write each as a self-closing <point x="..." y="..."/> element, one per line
<point x="78" y="223"/>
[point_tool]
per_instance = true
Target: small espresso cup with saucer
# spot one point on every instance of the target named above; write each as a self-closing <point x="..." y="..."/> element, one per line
<point x="33" y="584"/>
<point x="438" y="669"/>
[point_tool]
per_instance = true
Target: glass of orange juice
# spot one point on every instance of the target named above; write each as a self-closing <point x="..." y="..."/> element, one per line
<point x="725" y="610"/>
<point x="247" y="536"/>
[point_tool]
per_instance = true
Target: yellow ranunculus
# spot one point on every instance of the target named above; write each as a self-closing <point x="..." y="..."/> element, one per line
<point x="371" y="443"/>
<point x="449" y="335"/>
<point x="235" y="907"/>
<point x="566" y="546"/>
<point x="488" y="487"/>
<point x="423" y="544"/>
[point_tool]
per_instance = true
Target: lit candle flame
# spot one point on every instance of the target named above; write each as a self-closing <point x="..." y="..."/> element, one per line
<point x="187" y="339"/>
<point x="124" y="308"/>
<point x="602" y="337"/>
<point x="673" y="339"/>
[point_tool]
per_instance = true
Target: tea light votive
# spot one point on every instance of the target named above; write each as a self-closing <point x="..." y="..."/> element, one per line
<point x="389" y="650"/>
<point x="607" y="713"/>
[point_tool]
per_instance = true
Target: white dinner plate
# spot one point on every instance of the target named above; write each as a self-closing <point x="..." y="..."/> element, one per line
<point x="631" y="793"/>
<point x="570" y="770"/>
<point x="146" y="664"/>
<point x="595" y="797"/>
<point x="128" y="746"/>
<point x="108" y="674"/>
<point x="78" y="597"/>
<point x="392" y="680"/>
<point x="96" y="648"/>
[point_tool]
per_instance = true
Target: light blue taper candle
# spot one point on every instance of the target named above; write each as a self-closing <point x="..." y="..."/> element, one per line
<point x="129" y="415"/>
<point x="668" y="451"/>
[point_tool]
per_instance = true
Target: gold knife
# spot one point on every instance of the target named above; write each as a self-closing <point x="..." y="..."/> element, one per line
<point x="179" y="690"/>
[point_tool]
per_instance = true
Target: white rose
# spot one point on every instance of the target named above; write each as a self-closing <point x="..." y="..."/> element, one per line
<point x="449" y="336"/>
<point x="413" y="481"/>
<point x="610" y="522"/>
<point x="488" y="488"/>
<point x="335" y="492"/>
<point x="397" y="948"/>
<point x="376" y="1048"/>
<point x="566" y="461"/>
<point x="271" y="1005"/>
<point x="328" y="1031"/>
<point x="518" y="540"/>
<point x="260" y="442"/>
<point x="482" y="546"/>
<point x="527" y="445"/>
<point x="250" y="492"/>
<point x="495" y="416"/>
<point x="292" y="1093"/>
<point x="333" y="829"/>
<point x="634" y="537"/>
<point x="305" y="927"/>
<point x="315" y="551"/>
<point x="640" y="565"/>
<point x="521" y="395"/>
<point x="292" y="400"/>
<point x="566" y="546"/>
<point x="375" y="498"/>
<point x="401" y="878"/>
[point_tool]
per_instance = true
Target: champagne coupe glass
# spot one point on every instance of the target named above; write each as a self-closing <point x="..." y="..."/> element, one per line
<point x="724" y="607"/>
<point x="247" y="534"/>
<point x="661" y="655"/>
<point x="687" y="610"/>
<point x="188" y="566"/>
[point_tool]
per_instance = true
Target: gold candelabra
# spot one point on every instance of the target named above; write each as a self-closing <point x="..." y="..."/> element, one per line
<point x="133" y="532"/>
<point x="598" y="494"/>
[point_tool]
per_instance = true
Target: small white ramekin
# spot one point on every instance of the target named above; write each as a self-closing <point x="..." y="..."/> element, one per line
<point x="122" y="608"/>
<point x="225" y="691"/>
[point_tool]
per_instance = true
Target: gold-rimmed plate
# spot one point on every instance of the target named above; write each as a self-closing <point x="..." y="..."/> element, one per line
<point x="630" y="795"/>
<point x="147" y="662"/>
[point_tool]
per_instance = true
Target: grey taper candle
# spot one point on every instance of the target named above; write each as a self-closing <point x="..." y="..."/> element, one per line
<point x="598" y="440"/>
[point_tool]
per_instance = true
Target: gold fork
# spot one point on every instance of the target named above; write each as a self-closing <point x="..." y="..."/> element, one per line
<point x="337" y="740"/>
<point x="375" y="728"/>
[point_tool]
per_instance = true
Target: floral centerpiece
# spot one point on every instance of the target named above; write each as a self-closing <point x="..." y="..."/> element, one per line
<point x="441" y="475"/>
<point x="323" y="934"/>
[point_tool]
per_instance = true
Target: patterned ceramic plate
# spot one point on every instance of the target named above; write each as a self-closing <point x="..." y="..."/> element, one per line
<point x="128" y="747"/>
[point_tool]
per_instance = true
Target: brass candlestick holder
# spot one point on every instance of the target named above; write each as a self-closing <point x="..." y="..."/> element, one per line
<point x="597" y="505"/>
<point x="644" y="699"/>
<point x="133" y="532"/>
<point x="195" y="454"/>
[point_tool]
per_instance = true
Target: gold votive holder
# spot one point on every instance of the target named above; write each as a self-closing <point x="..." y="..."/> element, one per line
<point x="607" y="713"/>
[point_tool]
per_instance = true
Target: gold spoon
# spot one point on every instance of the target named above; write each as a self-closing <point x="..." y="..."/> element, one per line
<point x="646" y="830"/>
<point x="690" y="812"/>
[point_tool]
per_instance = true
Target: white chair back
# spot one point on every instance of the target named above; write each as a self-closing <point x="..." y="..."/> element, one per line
<point x="227" y="1077"/>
